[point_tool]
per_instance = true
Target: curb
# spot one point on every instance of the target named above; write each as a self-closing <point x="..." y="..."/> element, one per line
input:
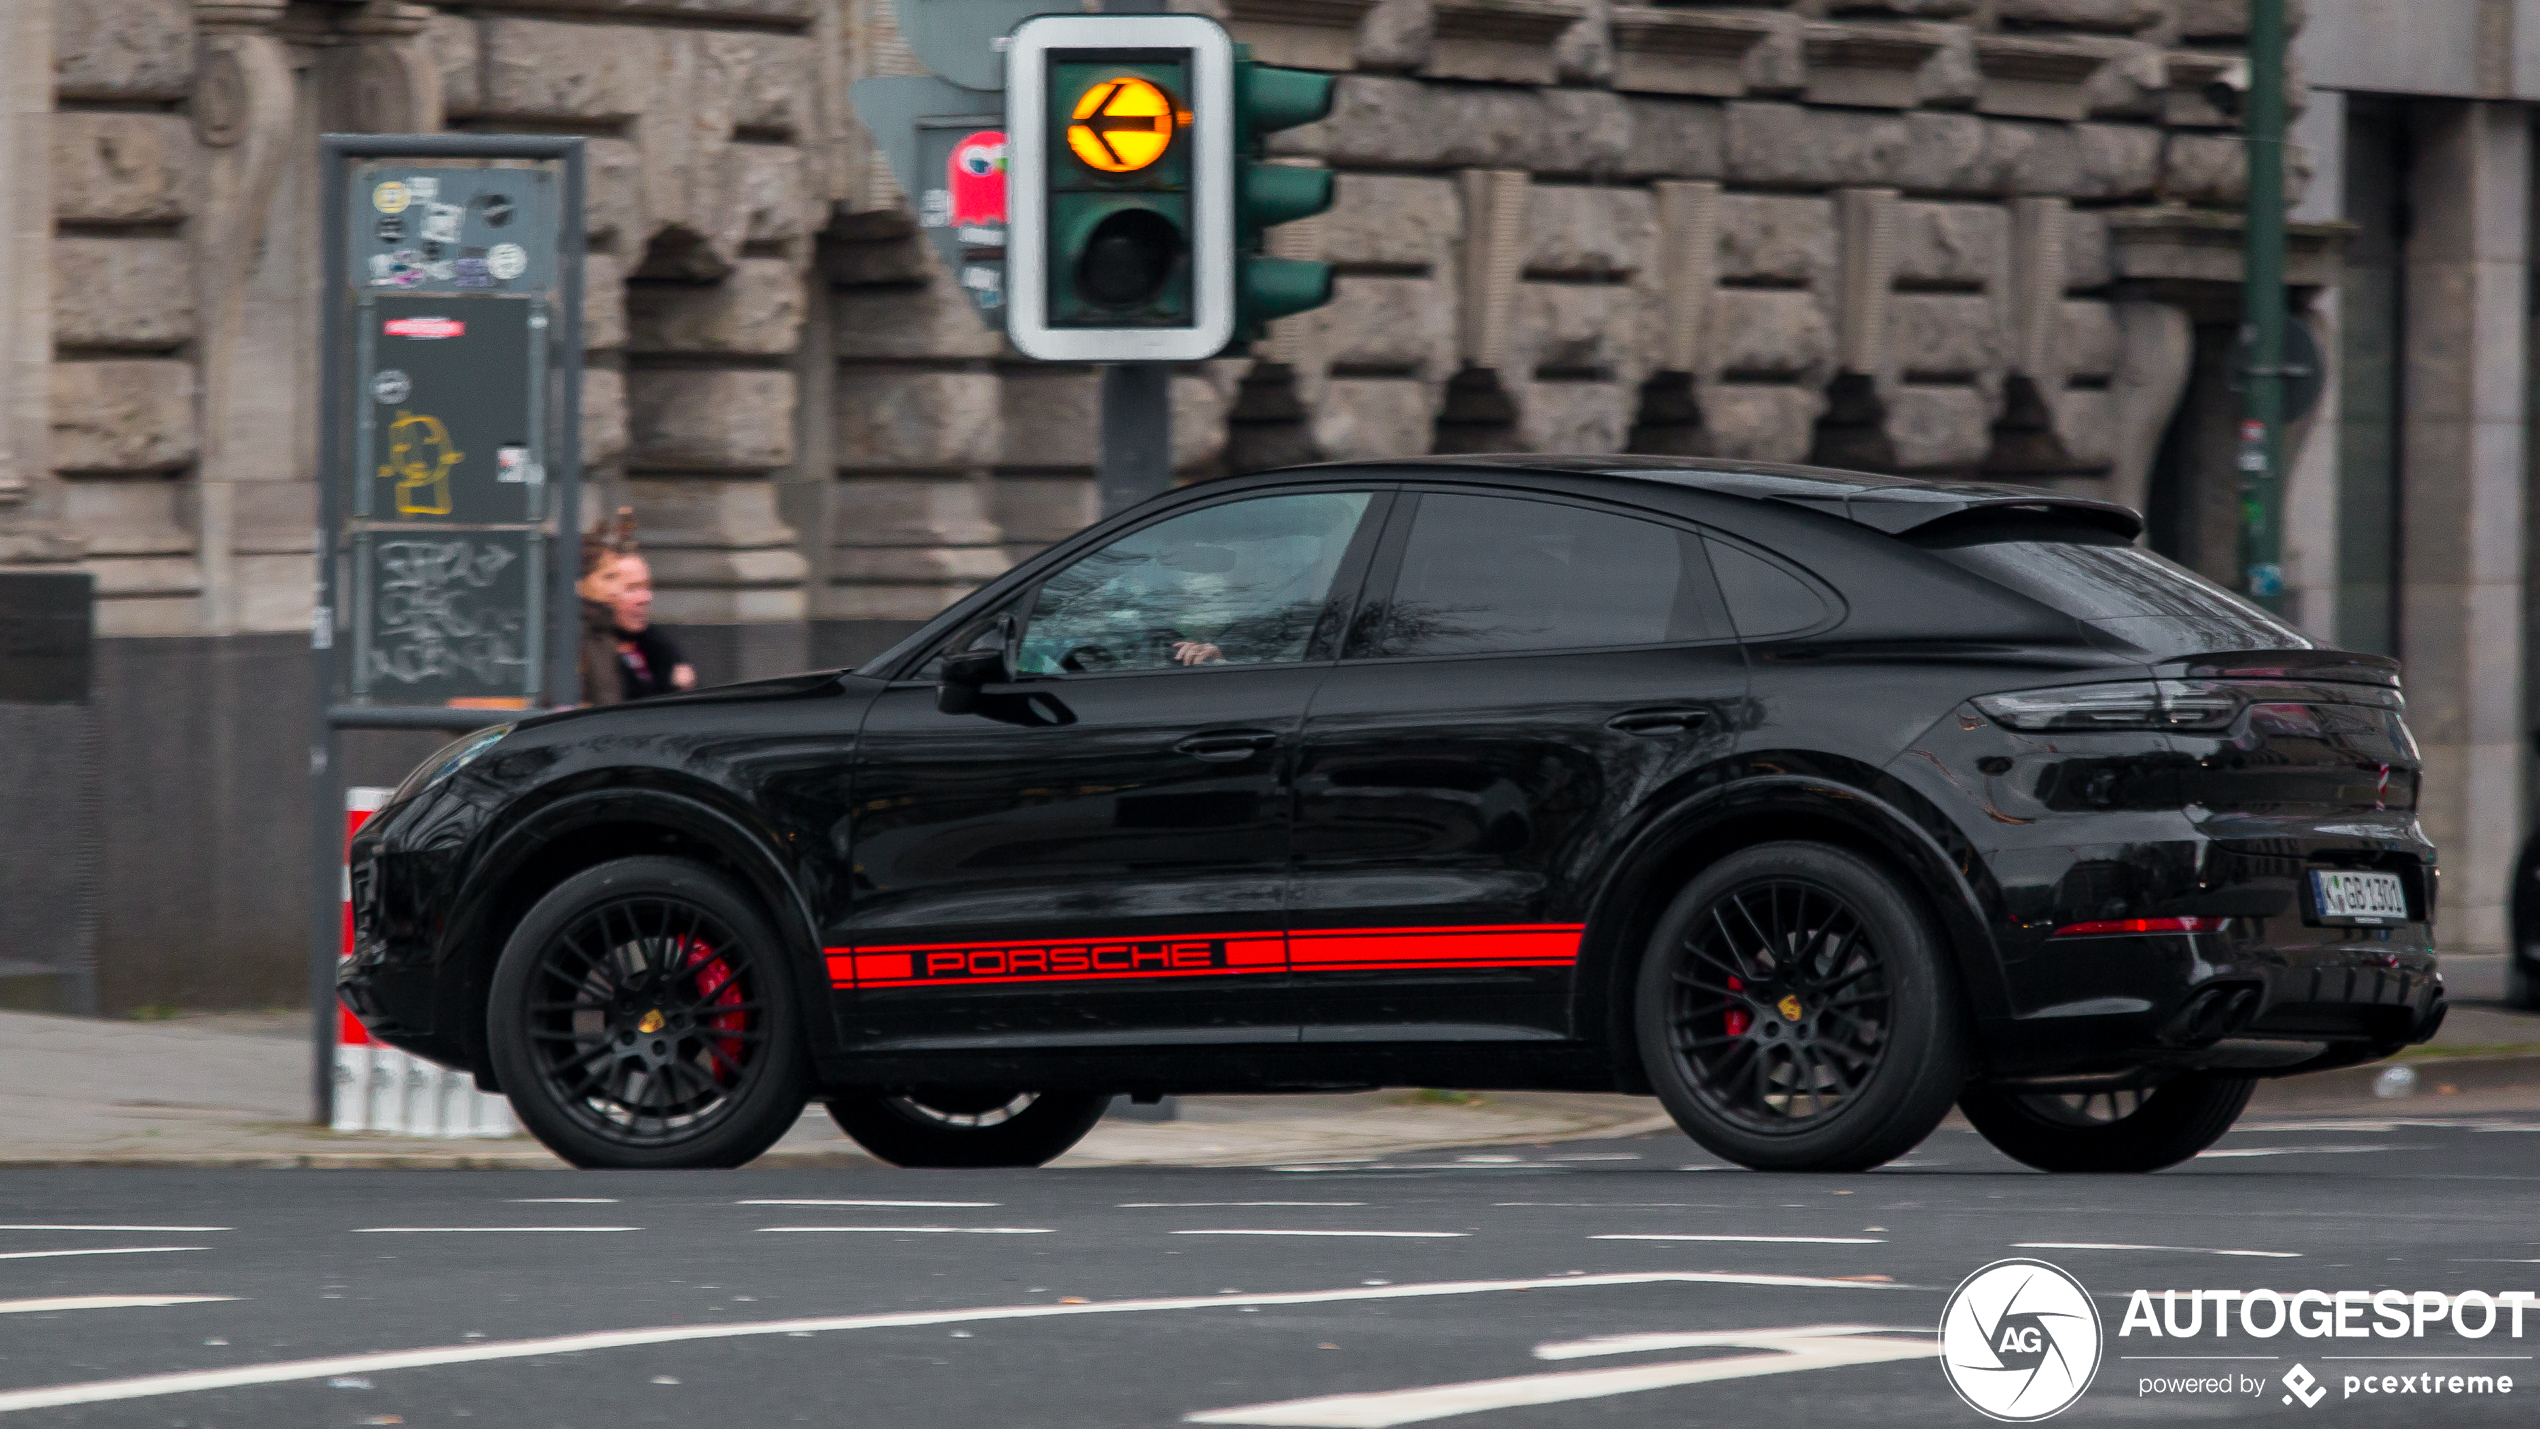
<point x="2354" y="1085"/>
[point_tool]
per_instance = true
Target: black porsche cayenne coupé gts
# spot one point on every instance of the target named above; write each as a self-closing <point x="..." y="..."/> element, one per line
<point x="1812" y="803"/>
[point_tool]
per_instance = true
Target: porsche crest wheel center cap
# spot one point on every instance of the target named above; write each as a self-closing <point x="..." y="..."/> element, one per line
<point x="653" y="1022"/>
<point x="1789" y="1007"/>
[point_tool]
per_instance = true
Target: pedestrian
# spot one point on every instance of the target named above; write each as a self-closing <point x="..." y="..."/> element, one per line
<point x="648" y="664"/>
<point x="603" y="573"/>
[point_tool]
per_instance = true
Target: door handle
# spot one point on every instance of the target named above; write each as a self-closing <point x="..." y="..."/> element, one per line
<point x="1224" y="746"/>
<point x="1657" y="722"/>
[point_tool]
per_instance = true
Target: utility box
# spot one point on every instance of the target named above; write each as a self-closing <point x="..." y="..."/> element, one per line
<point x="49" y="793"/>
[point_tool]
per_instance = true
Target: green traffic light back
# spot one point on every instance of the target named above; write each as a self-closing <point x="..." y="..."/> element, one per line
<point x="1278" y="287"/>
<point x="1268" y="98"/>
<point x="1282" y="193"/>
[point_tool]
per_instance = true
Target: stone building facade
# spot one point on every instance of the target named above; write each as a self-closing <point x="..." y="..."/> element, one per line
<point x="1969" y="237"/>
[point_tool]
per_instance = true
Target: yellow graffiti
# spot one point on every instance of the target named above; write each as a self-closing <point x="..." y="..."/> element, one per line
<point x="419" y="459"/>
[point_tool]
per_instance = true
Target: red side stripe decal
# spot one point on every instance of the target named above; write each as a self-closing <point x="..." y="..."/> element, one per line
<point x="1207" y="955"/>
<point x="1377" y="949"/>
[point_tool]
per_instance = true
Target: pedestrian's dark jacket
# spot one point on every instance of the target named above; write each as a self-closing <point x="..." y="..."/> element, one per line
<point x="597" y="662"/>
<point x="645" y="659"/>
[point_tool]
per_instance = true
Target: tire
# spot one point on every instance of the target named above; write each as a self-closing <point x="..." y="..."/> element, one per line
<point x="2108" y="1131"/>
<point x="2521" y="988"/>
<point x="1839" y="1054"/>
<point x="645" y="1016"/>
<point x="966" y="1126"/>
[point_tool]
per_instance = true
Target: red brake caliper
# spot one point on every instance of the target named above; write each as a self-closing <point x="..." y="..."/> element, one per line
<point x="716" y="986"/>
<point x="1739" y="1019"/>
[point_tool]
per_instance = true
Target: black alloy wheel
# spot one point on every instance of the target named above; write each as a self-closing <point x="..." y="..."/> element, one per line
<point x="2132" y="1130"/>
<point x="641" y="1016"/>
<point x="966" y="1126"/>
<point x="1796" y="1012"/>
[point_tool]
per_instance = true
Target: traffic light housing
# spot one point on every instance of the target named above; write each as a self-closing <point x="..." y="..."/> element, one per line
<point x="1268" y="99"/>
<point x="1120" y="237"/>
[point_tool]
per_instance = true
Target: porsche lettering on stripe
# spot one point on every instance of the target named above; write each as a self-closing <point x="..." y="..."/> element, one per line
<point x="931" y="964"/>
<point x="1321" y="950"/>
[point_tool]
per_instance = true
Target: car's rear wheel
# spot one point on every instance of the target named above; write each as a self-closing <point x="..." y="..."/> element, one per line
<point x="2113" y="1131"/>
<point x="1796" y="1012"/>
<point x="642" y="1016"/>
<point x="966" y="1126"/>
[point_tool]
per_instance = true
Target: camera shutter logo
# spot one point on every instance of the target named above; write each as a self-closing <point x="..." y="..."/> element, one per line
<point x="2020" y="1340"/>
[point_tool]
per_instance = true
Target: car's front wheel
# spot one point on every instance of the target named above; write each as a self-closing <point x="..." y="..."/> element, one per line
<point x="2112" y="1131"/>
<point x="1797" y="1012"/>
<point x="966" y="1126"/>
<point x="642" y="1017"/>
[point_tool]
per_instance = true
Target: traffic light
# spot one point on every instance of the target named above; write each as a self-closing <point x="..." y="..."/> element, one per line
<point x="1267" y="100"/>
<point x="1120" y="238"/>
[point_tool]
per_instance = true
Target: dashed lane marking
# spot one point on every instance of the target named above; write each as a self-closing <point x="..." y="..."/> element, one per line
<point x="897" y="1205"/>
<point x="915" y="1230"/>
<point x="99" y="1250"/>
<point x="1193" y="1205"/>
<point x="2174" y="1249"/>
<point x="1758" y="1239"/>
<point x="563" y="1201"/>
<point x="1782" y="1351"/>
<point x="2225" y="1153"/>
<point x="153" y="1230"/>
<point x="491" y="1230"/>
<point x="483" y="1351"/>
<point x="103" y="1302"/>
<point x="1382" y="1235"/>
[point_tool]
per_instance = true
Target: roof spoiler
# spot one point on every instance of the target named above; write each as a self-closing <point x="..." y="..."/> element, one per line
<point x="1898" y="510"/>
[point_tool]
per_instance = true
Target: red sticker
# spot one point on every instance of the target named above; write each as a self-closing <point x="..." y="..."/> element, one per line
<point x="424" y="327"/>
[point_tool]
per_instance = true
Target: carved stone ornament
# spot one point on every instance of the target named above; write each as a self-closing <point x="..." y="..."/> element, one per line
<point x="2035" y="79"/>
<point x="1871" y="66"/>
<point x="1672" y="51"/>
<point x="1506" y="40"/>
<point x="1303" y="34"/>
<point x="220" y="98"/>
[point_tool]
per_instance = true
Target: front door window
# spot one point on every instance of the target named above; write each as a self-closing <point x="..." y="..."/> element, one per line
<point x="1242" y="583"/>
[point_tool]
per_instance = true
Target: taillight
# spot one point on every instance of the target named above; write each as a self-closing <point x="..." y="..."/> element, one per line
<point x="2125" y="704"/>
<point x="2139" y="925"/>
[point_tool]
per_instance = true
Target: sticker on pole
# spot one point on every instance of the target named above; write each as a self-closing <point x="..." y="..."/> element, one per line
<point x="1121" y="125"/>
<point x="2020" y="1340"/>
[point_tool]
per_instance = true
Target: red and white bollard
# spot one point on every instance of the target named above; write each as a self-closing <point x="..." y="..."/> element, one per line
<point x="377" y="1087"/>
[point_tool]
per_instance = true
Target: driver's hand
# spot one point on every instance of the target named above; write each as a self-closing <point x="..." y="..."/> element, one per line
<point x="1197" y="652"/>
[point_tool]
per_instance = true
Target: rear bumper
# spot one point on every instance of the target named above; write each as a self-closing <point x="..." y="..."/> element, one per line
<point x="2216" y="1002"/>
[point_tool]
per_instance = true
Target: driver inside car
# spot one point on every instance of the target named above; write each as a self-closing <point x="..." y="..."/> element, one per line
<point x="1241" y="583"/>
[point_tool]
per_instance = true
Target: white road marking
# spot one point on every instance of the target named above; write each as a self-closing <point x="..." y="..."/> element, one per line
<point x="564" y="1200"/>
<point x="1383" y="1235"/>
<point x="1758" y="1239"/>
<point x="102" y="1302"/>
<point x="289" y="1371"/>
<point x="1598" y="1156"/>
<point x="1180" y="1205"/>
<point x="99" y="1250"/>
<point x="2226" y="1153"/>
<point x="2177" y="1249"/>
<point x="1784" y="1351"/>
<point x="154" y="1230"/>
<point x="490" y="1230"/>
<point x="1704" y="1339"/>
<point x="902" y="1205"/>
<point x="918" y="1230"/>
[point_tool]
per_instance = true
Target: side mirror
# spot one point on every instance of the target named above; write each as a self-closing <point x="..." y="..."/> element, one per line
<point x="964" y="674"/>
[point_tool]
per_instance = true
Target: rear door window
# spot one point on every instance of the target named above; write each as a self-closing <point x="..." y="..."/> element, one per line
<point x="1492" y="574"/>
<point x="2115" y="588"/>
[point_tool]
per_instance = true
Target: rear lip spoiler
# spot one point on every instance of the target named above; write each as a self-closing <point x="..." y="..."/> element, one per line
<point x="2333" y="666"/>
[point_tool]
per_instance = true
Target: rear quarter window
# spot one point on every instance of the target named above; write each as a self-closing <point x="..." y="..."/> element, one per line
<point x="2115" y="588"/>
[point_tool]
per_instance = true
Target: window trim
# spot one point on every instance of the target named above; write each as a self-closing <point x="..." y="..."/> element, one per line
<point x="1386" y="570"/>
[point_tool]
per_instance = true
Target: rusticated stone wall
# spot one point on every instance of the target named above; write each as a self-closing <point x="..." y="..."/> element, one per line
<point x="1947" y="236"/>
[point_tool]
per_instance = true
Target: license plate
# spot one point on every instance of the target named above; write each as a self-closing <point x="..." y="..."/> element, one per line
<point x="2360" y="897"/>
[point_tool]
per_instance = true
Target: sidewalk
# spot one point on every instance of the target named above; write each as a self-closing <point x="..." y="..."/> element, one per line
<point x="233" y="1090"/>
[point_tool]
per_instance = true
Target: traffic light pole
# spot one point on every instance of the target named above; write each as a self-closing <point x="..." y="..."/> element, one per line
<point x="2262" y="427"/>
<point x="1137" y="433"/>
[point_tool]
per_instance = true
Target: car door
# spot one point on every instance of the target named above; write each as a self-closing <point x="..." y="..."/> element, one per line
<point x="1096" y="854"/>
<point x="1525" y="675"/>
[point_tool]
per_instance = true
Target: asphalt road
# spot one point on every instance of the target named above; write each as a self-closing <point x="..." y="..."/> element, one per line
<point x="1480" y="1288"/>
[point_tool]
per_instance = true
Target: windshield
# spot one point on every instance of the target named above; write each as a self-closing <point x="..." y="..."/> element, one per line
<point x="2117" y="589"/>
